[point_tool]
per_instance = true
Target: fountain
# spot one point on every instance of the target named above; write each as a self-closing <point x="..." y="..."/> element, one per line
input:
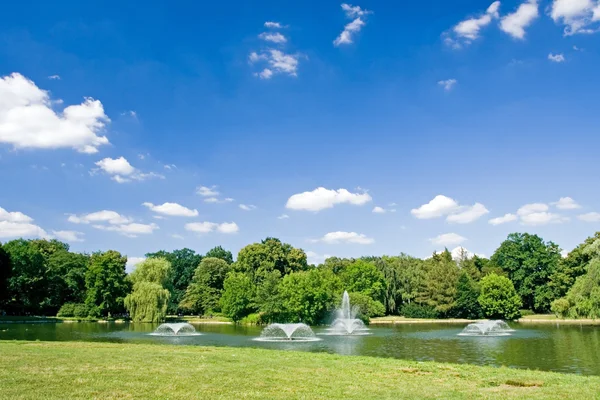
<point x="346" y="322"/>
<point x="176" y="329"/>
<point x="287" y="332"/>
<point x="487" y="328"/>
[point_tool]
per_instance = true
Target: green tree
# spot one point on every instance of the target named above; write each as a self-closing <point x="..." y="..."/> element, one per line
<point x="337" y="265"/>
<point x="271" y="254"/>
<point x="203" y="293"/>
<point x="438" y="289"/>
<point x="410" y="278"/>
<point x="530" y="263"/>
<point x="367" y="307"/>
<point x="236" y="300"/>
<point x="106" y="283"/>
<point x="268" y="300"/>
<point x="183" y="265"/>
<point x="5" y="273"/>
<point x="219" y="252"/>
<point x="364" y="277"/>
<point x="498" y="298"/>
<point x="467" y="293"/>
<point x="309" y="296"/>
<point x="149" y="298"/>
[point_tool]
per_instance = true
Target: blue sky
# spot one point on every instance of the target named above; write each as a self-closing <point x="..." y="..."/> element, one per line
<point x="491" y="106"/>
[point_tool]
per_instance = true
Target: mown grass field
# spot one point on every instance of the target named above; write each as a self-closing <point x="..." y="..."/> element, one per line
<point x="59" y="370"/>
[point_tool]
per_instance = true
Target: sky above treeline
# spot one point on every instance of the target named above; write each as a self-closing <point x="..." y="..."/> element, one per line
<point x="344" y="129"/>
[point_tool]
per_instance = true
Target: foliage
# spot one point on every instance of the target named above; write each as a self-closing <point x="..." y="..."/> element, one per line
<point x="413" y="310"/>
<point x="467" y="292"/>
<point x="560" y="307"/>
<point x="498" y="298"/>
<point x="438" y="290"/>
<point x="5" y="273"/>
<point x="237" y="296"/>
<point x="530" y="263"/>
<point x="149" y="299"/>
<point x="77" y="310"/>
<point x="221" y="253"/>
<point x="106" y="283"/>
<point x="337" y="265"/>
<point x="253" y="319"/>
<point x="268" y="299"/>
<point x="258" y="259"/>
<point x="367" y="307"/>
<point x="309" y="296"/>
<point x="364" y="277"/>
<point x="203" y="293"/>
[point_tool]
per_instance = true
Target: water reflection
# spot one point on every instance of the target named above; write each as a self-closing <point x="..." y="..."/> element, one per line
<point x="564" y="348"/>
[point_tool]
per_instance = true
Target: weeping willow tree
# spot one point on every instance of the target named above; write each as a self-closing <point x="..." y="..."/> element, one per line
<point x="149" y="299"/>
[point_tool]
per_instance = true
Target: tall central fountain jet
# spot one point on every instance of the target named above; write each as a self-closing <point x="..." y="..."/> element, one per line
<point x="346" y="322"/>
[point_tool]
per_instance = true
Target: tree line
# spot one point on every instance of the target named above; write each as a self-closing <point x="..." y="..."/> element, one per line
<point x="271" y="281"/>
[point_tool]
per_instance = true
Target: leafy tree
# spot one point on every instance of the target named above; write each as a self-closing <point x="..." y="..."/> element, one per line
<point x="308" y="296"/>
<point x="438" y="289"/>
<point x="203" y="293"/>
<point x="411" y="277"/>
<point x="364" y="277"/>
<point x="106" y="283"/>
<point x="498" y="298"/>
<point x="258" y="259"/>
<point x="367" y="307"/>
<point x="183" y="266"/>
<point x="467" y="293"/>
<point x="237" y="296"/>
<point x="5" y="273"/>
<point x="27" y="284"/>
<point x="337" y="265"/>
<point x="268" y="300"/>
<point x="219" y="252"/>
<point x="148" y="300"/>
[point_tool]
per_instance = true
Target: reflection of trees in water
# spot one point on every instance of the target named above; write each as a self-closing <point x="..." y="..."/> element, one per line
<point x="346" y="345"/>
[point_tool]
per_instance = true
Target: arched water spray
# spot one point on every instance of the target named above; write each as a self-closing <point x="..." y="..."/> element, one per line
<point x="176" y="329"/>
<point x="346" y="322"/>
<point x="487" y="328"/>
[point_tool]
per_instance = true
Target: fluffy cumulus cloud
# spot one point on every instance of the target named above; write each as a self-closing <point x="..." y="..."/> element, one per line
<point x="274" y="37"/>
<point x="447" y="84"/>
<point x="68" y="236"/>
<point x="357" y="15"/>
<point x="247" y="207"/>
<point x="503" y="220"/>
<point x="557" y="58"/>
<point x="345" y="237"/>
<point x="322" y="198"/>
<point x="379" y="210"/>
<point x="121" y="171"/>
<point x="104" y="216"/>
<point x="172" y="209"/>
<point x="273" y="25"/>
<point x="468" y="214"/>
<point x="206" y="191"/>
<point x="566" y="203"/>
<point x="15" y="224"/>
<point x="539" y="214"/>
<point x="448" y="239"/>
<point x="315" y="259"/>
<point x="207" y="227"/>
<point x="28" y="119"/>
<point x="131" y="230"/>
<point x="577" y="16"/>
<point x="469" y="29"/>
<point x="515" y="23"/>
<point x="278" y="62"/>
<point x="455" y="213"/>
<point x="590" y="217"/>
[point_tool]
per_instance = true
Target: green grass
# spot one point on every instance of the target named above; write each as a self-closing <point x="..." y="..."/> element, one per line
<point x="58" y="370"/>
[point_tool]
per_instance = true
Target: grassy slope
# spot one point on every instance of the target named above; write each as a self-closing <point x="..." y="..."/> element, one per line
<point x="39" y="370"/>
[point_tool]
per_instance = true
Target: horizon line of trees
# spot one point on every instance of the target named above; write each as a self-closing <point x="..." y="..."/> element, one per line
<point x="271" y="281"/>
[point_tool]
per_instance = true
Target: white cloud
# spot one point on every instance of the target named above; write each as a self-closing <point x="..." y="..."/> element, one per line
<point x="315" y="259"/>
<point x="265" y="74"/>
<point x="273" y="25"/>
<point x="69" y="236"/>
<point x="566" y="203"/>
<point x="172" y="209"/>
<point x="216" y="200"/>
<point x="578" y="16"/>
<point x="177" y="236"/>
<point x="557" y="58"/>
<point x="353" y="27"/>
<point x="283" y="216"/>
<point x="590" y="217"/>
<point x="27" y="119"/>
<point x="468" y="30"/>
<point x="447" y="239"/>
<point x="130" y="230"/>
<point x="502" y="220"/>
<point x="206" y="191"/>
<point x="354" y="11"/>
<point x="11" y="229"/>
<point x="111" y="217"/>
<point x="129" y="113"/>
<point x="448" y="84"/>
<point x="439" y="206"/>
<point x="132" y="262"/>
<point x="278" y="61"/>
<point x="121" y="171"/>
<point x="274" y="37"/>
<point x="468" y="214"/>
<point x="247" y="207"/>
<point x="515" y="23"/>
<point x="321" y="198"/>
<point x="14" y="216"/>
<point x="207" y="227"/>
<point x="537" y="214"/>
<point x="345" y="237"/>
<point x="54" y="77"/>
<point x="379" y="210"/>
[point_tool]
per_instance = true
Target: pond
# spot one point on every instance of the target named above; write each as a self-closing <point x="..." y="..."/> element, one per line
<point x="572" y="349"/>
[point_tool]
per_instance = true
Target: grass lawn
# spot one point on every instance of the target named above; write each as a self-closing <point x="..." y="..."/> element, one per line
<point x="46" y="370"/>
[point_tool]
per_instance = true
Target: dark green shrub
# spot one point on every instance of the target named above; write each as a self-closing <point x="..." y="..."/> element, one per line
<point x="413" y="310"/>
<point x="67" y="310"/>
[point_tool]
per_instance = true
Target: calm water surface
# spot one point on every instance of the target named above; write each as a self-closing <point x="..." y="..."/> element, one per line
<point x="571" y="349"/>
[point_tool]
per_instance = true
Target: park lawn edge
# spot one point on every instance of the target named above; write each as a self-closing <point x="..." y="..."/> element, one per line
<point x="109" y="370"/>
